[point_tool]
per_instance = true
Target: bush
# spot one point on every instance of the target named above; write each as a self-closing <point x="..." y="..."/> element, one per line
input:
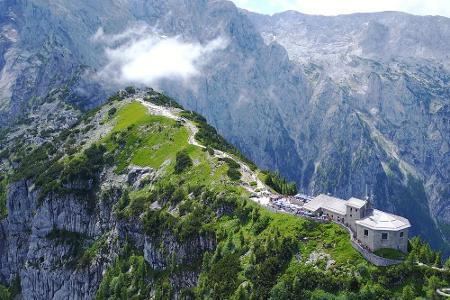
<point x="115" y="97"/>
<point x="90" y="253"/>
<point x="260" y="224"/>
<point x="447" y="264"/>
<point x="233" y="168"/>
<point x="234" y="174"/>
<point x="112" y="111"/>
<point x="183" y="162"/>
<point x="130" y="90"/>
<point x="85" y="167"/>
<point x="4" y="293"/>
<point x="279" y="184"/>
<point x="231" y="162"/>
<point x="162" y="100"/>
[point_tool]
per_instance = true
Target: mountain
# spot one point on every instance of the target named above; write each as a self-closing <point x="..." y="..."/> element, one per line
<point x="142" y="199"/>
<point x="391" y="73"/>
<point x="352" y="105"/>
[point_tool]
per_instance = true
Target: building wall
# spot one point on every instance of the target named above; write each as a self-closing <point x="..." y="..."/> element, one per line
<point x="352" y="215"/>
<point x="374" y="239"/>
<point x="333" y="215"/>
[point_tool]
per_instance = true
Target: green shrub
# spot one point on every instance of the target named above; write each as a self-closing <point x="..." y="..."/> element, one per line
<point x="112" y="111"/>
<point x="85" y="167"/>
<point x="90" y="253"/>
<point x="64" y="237"/>
<point x="155" y="222"/>
<point x="447" y="264"/>
<point x="210" y="150"/>
<point x="279" y="184"/>
<point x="4" y="293"/>
<point x="231" y="162"/>
<point x="162" y="100"/>
<point x="183" y="162"/>
<point x="260" y="224"/>
<point x="223" y="276"/>
<point x="115" y="97"/>
<point x="234" y="174"/>
<point x="130" y="90"/>
<point x="127" y="278"/>
<point x="178" y="196"/>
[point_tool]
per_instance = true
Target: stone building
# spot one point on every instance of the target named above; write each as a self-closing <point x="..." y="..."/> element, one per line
<point x="374" y="229"/>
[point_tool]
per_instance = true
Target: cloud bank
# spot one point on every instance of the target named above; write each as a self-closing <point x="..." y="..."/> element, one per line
<point x="336" y="7"/>
<point x="141" y="56"/>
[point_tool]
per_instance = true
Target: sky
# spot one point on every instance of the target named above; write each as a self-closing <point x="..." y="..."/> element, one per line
<point x="336" y="7"/>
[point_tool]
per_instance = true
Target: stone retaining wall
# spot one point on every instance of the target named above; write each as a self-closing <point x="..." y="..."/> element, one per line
<point x="375" y="259"/>
<point x="370" y="256"/>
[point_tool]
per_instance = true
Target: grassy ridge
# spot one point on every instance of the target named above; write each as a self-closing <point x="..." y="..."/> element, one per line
<point x="258" y="254"/>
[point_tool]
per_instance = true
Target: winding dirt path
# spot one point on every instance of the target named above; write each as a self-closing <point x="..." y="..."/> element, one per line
<point x="248" y="176"/>
<point x="444" y="292"/>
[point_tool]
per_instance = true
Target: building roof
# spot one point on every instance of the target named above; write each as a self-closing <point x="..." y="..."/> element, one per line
<point x="380" y="220"/>
<point x="326" y="202"/>
<point x="355" y="202"/>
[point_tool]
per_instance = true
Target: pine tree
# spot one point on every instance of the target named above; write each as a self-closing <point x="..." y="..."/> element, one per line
<point x="438" y="260"/>
<point x="408" y="292"/>
<point x="447" y="264"/>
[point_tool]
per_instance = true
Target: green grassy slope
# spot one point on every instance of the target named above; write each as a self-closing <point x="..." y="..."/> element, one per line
<point x="257" y="254"/>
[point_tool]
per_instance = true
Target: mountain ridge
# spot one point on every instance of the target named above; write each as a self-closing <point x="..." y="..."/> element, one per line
<point x="123" y="204"/>
<point x="301" y="119"/>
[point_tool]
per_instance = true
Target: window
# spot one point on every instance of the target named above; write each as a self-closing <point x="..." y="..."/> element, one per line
<point x="351" y="216"/>
<point x="401" y="234"/>
<point x="366" y="232"/>
<point x="351" y="209"/>
<point x="384" y="236"/>
<point x="356" y="210"/>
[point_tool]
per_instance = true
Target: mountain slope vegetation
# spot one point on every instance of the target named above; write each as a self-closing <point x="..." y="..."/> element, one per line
<point x="125" y="204"/>
<point x="349" y="105"/>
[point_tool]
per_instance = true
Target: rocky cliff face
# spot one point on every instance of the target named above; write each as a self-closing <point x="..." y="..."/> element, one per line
<point x="39" y="257"/>
<point x="392" y="73"/>
<point x="339" y="110"/>
<point x="43" y="241"/>
<point x="59" y="244"/>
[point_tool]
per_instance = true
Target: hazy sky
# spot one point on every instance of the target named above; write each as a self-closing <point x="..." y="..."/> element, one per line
<point x="336" y="7"/>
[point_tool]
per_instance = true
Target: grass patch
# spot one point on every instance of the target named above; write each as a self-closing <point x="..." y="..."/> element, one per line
<point x="144" y="139"/>
<point x="390" y="253"/>
<point x="90" y="253"/>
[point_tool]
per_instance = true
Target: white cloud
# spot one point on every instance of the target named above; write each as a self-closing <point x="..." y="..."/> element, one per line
<point x="336" y="7"/>
<point x="141" y="56"/>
